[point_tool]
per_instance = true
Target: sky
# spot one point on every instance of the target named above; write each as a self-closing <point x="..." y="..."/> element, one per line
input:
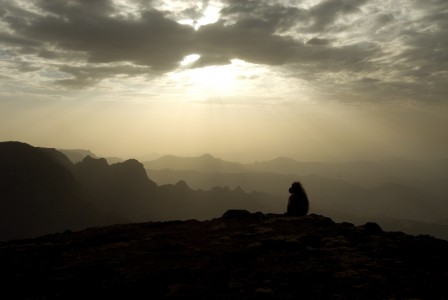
<point x="316" y="80"/>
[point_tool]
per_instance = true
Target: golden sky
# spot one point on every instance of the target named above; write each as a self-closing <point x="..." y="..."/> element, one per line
<point x="245" y="80"/>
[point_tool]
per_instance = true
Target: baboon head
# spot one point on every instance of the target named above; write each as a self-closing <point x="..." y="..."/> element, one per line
<point x="296" y="187"/>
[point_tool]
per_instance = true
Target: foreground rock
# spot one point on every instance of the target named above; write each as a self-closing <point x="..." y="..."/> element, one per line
<point x="240" y="256"/>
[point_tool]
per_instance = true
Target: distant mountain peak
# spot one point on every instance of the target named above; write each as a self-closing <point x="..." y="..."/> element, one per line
<point x="182" y="184"/>
<point x="96" y="161"/>
<point x="204" y="163"/>
<point x="77" y="155"/>
<point x="132" y="162"/>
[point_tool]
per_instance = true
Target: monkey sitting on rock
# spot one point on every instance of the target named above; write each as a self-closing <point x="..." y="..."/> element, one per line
<point x="298" y="204"/>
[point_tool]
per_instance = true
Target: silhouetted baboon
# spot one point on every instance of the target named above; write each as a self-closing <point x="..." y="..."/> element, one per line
<point x="298" y="201"/>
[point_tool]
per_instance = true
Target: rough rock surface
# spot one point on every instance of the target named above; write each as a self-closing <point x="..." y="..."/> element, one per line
<point x="273" y="257"/>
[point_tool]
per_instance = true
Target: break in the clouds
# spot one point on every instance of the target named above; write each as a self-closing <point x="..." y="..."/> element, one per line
<point x="349" y="50"/>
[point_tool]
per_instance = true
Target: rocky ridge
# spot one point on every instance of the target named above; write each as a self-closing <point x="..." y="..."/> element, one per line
<point x="240" y="255"/>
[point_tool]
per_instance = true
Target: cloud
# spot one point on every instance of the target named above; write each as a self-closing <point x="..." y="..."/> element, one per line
<point x="318" y="42"/>
<point x="326" y="13"/>
<point x="263" y="35"/>
<point x="274" y="17"/>
<point x="401" y="44"/>
<point x="88" y="75"/>
<point x="13" y="40"/>
<point x="86" y="26"/>
<point x="156" y="41"/>
<point x="152" y="40"/>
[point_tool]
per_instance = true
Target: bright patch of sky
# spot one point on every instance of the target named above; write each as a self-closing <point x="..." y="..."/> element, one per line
<point x="193" y="13"/>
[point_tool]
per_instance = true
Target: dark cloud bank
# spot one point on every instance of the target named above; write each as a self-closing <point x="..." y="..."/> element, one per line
<point x="373" y="49"/>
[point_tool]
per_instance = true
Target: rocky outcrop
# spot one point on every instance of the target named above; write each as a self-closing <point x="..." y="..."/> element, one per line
<point x="238" y="256"/>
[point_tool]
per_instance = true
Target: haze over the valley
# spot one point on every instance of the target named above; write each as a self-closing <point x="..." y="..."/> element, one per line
<point x="327" y="80"/>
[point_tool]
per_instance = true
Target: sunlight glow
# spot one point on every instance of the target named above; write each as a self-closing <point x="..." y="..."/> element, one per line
<point x="189" y="59"/>
<point x="211" y="15"/>
<point x="221" y="78"/>
<point x="214" y="80"/>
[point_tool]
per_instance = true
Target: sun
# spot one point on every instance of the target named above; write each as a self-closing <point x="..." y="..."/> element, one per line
<point x="234" y="83"/>
<point x="222" y="80"/>
<point x="216" y="78"/>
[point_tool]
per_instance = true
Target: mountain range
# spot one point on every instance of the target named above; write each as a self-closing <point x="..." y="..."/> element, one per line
<point x="366" y="173"/>
<point x="47" y="191"/>
<point x="43" y="192"/>
<point x="403" y="195"/>
<point x="400" y="194"/>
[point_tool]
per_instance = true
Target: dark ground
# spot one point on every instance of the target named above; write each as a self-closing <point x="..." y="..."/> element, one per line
<point x="238" y="256"/>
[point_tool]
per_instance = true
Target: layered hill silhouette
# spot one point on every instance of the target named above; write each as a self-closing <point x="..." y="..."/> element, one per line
<point x="399" y="194"/>
<point x="241" y="255"/>
<point x="358" y="172"/>
<point x="387" y="199"/>
<point x="403" y="195"/>
<point x="44" y="192"/>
